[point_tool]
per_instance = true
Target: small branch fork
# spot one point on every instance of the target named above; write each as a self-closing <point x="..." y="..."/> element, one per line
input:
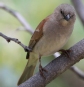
<point x="8" y="39"/>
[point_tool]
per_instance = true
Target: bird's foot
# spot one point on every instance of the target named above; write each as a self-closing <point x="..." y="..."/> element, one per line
<point x="41" y="69"/>
<point x="66" y="52"/>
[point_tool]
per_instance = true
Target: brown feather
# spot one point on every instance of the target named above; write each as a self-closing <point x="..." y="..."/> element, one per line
<point x="37" y="34"/>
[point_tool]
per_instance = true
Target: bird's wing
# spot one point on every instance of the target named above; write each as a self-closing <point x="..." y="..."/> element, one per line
<point x="37" y="34"/>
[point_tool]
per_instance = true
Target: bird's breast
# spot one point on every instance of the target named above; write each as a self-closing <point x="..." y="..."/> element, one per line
<point x="49" y="44"/>
<point x="53" y="39"/>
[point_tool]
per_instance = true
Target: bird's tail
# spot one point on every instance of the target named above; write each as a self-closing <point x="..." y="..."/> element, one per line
<point x="29" y="69"/>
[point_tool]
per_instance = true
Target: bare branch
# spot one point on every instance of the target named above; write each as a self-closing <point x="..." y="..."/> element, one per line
<point x="78" y="4"/>
<point x="19" y="17"/>
<point x="57" y="66"/>
<point x="8" y="39"/>
<point x="78" y="72"/>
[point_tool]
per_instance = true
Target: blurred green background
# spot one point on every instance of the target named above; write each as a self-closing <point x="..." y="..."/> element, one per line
<point x="12" y="56"/>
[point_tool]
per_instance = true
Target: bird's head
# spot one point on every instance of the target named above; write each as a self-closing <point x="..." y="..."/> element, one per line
<point x="65" y="14"/>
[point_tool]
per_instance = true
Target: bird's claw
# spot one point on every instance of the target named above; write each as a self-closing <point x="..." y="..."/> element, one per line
<point x="66" y="52"/>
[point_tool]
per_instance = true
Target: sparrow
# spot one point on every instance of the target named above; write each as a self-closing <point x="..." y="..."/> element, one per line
<point x="49" y="37"/>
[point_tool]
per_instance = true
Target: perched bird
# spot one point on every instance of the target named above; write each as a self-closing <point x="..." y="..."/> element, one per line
<point x="49" y="37"/>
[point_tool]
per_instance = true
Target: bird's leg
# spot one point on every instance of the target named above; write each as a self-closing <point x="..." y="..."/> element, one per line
<point x="41" y="69"/>
<point x="66" y="52"/>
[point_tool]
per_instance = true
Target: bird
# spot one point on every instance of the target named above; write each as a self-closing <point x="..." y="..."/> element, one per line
<point x="50" y="36"/>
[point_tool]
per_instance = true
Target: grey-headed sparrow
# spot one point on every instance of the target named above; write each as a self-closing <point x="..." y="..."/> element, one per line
<point x="49" y="37"/>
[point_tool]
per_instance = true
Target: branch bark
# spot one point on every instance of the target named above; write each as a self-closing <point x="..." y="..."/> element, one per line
<point x="78" y="4"/>
<point x="57" y="66"/>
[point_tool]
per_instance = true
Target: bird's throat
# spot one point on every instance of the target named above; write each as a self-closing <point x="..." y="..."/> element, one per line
<point x="64" y="22"/>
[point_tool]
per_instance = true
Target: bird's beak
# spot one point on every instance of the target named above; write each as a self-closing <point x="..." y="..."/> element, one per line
<point x="67" y="17"/>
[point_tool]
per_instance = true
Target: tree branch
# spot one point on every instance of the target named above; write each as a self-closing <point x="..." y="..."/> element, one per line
<point x="8" y="39"/>
<point x="57" y="66"/>
<point x="19" y="17"/>
<point x="78" y="4"/>
<point x="75" y="69"/>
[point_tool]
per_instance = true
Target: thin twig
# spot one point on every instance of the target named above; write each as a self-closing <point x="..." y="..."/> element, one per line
<point x="18" y="16"/>
<point x="78" y="4"/>
<point x="77" y="71"/>
<point x="8" y="39"/>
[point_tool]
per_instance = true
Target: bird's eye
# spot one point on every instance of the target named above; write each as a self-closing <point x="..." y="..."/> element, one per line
<point x="61" y="12"/>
